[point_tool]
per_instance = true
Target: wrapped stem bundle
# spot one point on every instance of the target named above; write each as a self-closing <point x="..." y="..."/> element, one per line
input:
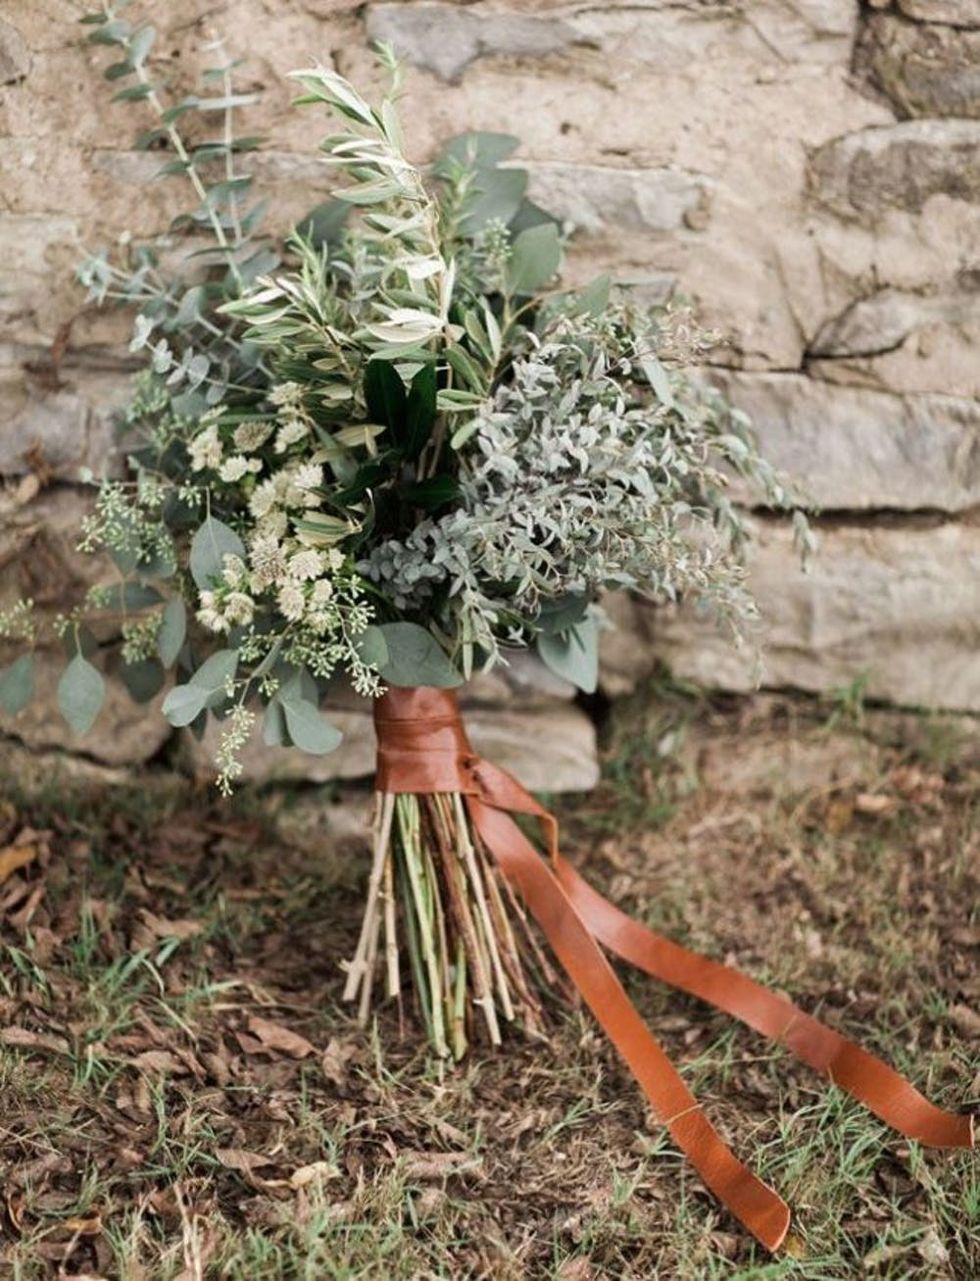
<point x="475" y="966"/>
<point x="436" y="903"/>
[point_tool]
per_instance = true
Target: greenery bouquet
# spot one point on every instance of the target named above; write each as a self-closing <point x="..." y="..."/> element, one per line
<point x="388" y="452"/>
<point x="391" y="451"/>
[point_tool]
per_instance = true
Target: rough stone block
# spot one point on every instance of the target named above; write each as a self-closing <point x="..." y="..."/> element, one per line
<point x="60" y="422"/>
<point x="855" y="449"/>
<point x="445" y="39"/>
<point x="597" y="197"/>
<point x="924" y="69"/>
<point x="900" y="166"/>
<point x="955" y="13"/>
<point x="15" y="57"/>
<point x="895" y="604"/>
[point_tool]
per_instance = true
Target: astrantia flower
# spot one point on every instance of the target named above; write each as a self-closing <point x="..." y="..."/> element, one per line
<point x="251" y="436"/>
<point x="265" y="498"/>
<point x="209" y="616"/>
<point x="292" y="602"/>
<point x="205" y="449"/>
<point x="234" y="468"/>
<point x="335" y="558"/>
<point x="307" y="476"/>
<point x="305" y="564"/>
<point x="292" y="430"/>
<point x="322" y="591"/>
<point x="286" y="394"/>
<point x="268" y="562"/>
<point x="239" y="609"/>
<point x="273" y="525"/>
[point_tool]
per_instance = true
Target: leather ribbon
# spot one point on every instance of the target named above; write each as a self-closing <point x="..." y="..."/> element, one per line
<point x="422" y="748"/>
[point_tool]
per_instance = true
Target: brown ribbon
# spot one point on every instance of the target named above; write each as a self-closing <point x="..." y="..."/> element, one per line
<point x="422" y="747"/>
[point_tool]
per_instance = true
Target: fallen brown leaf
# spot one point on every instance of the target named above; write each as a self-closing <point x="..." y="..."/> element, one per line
<point x="967" y="1020"/>
<point x="274" y="1036"/>
<point x="162" y="928"/>
<point x="333" y="1061"/>
<point x="875" y="804"/>
<point x="89" y="1227"/>
<point x="23" y="1039"/>
<point x="439" y="1165"/>
<point x="14" y="857"/>
<point x="240" y="1159"/>
<point x="159" y="1061"/>
<point x="317" y="1172"/>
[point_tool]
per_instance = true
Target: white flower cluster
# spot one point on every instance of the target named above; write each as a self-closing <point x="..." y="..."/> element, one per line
<point x="281" y="571"/>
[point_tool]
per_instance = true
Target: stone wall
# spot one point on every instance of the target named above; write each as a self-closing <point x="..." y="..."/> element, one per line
<point x="807" y="171"/>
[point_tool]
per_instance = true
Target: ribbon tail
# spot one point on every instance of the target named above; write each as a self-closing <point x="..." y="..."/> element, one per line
<point x="757" y="1206"/>
<point x="880" y="1088"/>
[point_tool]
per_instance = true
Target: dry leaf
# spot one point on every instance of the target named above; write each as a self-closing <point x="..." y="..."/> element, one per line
<point x="27" y="489"/>
<point x="22" y="1039"/>
<point x="89" y="1227"/>
<point x="159" y="1061"/>
<point x="967" y="1020"/>
<point x="333" y="1061"/>
<point x="14" y="857"/>
<point x="318" y="1172"/>
<point x="162" y="928"/>
<point x="274" y="1036"/>
<point x="439" y="1165"/>
<point x="875" y="804"/>
<point x="838" y="815"/>
<point x="239" y="1159"/>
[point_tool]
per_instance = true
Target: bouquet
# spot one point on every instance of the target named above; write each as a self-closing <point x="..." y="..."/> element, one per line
<point x="390" y="452"/>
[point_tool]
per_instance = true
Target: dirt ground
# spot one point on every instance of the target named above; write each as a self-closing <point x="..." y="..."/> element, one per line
<point x="185" y="1097"/>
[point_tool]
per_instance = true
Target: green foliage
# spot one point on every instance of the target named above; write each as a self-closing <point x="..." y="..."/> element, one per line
<point x="388" y="448"/>
<point x="414" y="657"/>
<point x="573" y="654"/>
<point x="17" y="684"/>
<point x="81" y="692"/>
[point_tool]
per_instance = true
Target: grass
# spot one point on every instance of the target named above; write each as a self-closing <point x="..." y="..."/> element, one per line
<point x="183" y="1096"/>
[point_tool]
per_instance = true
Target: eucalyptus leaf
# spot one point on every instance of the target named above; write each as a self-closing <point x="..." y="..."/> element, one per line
<point x="309" y="729"/>
<point x="497" y="195"/>
<point x="563" y="613"/>
<point x="530" y="215"/>
<point x="535" y="258"/>
<point x="415" y="657"/>
<point x="143" y="680"/>
<point x="132" y="596"/>
<point x="573" y="655"/>
<point x="372" y="647"/>
<point x="274" y="724"/>
<point x="17" y="684"/>
<point x="81" y="693"/>
<point x="184" y="704"/>
<point x="173" y="630"/>
<point x="324" y="224"/>
<point x="214" y="674"/>
<point x="474" y="150"/>
<point x="209" y="546"/>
